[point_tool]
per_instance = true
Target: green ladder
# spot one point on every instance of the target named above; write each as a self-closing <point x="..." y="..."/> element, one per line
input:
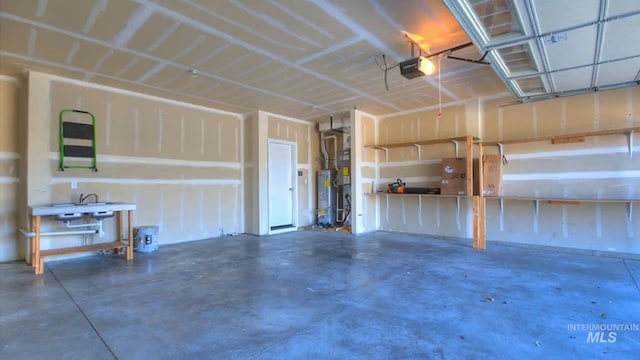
<point x="84" y="143"/>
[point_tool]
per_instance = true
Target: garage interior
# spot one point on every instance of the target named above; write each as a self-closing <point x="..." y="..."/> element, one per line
<point x="320" y="179"/>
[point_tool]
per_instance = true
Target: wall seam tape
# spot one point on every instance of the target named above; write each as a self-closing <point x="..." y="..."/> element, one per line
<point x="119" y="159"/>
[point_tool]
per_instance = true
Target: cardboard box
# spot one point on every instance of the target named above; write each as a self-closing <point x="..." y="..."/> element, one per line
<point x="454" y="176"/>
<point x="491" y="175"/>
<point x="453" y="186"/>
<point x="453" y="168"/>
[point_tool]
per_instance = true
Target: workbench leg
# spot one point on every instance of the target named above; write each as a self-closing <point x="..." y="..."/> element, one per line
<point x="39" y="263"/>
<point x="119" y="229"/>
<point x="32" y="242"/>
<point x="130" y="244"/>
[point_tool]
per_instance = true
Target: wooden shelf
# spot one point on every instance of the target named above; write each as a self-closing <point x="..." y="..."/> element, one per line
<point x="575" y="135"/>
<point x="563" y="200"/>
<point x="84" y="248"/>
<point x="426" y="195"/>
<point x="420" y="143"/>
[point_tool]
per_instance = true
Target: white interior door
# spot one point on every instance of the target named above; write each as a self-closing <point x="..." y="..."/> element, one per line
<point x="281" y="161"/>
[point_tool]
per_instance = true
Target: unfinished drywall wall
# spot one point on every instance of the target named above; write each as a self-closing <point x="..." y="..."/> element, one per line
<point x="443" y="216"/>
<point x="9" y="168"/>
<point x="180" y="164"/>
<point x="364" y="131"/>
<point x="301" y="133"/>
<point x="598" y="168"/>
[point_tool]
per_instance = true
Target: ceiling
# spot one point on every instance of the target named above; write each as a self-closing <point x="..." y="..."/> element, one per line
<point x="309" y="59"/>
<point x="298" y="58"/>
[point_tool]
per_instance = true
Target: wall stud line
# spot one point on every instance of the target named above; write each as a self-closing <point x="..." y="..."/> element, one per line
<point x="237" y="142"/>
<point x="107" y="125"/>
<point x="201" y="136"/>
<point x="599" y="220"/>
<point x="136" y="130"/>
<point x="219" y="208"/>
<point x="182" y="134"/>
<point x="438" y="212"/>
<point x="201" y="209"/>
<point x="458" y="222"/>
<point x="501" y="217"/>
<point x="182" y="201"/>
<point x="386" y="214"/>
<point x="420" y="210"/>
<point x="630" y="143"/>
<point x="565" y="221"/>
<point x="160" y="129"/>
<point x="219" y="138"/>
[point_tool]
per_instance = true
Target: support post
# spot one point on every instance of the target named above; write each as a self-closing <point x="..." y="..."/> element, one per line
<point x="130" y="244"/>
<point x="469" y="155"/>
<point x="480" y="170"/>
<point x="482" y="223"/>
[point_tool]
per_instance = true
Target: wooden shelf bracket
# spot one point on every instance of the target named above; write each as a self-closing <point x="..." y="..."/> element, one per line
<point x="386" y="153"/>
<point x="630" y="143"/>
<point x="456" y="145"/>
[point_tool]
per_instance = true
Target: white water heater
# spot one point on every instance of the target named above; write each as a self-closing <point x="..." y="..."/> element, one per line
<point x="326" y="197"/>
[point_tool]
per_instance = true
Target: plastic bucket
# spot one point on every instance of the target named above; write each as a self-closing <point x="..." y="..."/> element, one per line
<point x="145" y="238"/>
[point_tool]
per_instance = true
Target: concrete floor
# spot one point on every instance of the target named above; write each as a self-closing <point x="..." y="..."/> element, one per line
<point x="309" y="295"/>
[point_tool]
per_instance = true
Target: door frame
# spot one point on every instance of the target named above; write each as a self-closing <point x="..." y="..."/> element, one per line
<point x="294" y="186"/>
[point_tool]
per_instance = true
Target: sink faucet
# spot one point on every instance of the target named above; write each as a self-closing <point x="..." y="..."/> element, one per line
<point x="83" y="198"/>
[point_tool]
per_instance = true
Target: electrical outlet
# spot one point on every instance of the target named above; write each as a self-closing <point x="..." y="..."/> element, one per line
<point x="74" y="185"/>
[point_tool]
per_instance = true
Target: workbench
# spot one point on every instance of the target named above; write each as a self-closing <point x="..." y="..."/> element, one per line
<point x="37" y="212"/>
